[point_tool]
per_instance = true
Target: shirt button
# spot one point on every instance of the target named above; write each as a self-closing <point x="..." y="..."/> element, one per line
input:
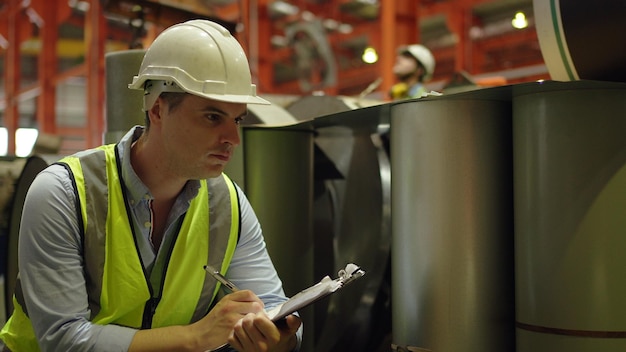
<point x="147" y="224"/>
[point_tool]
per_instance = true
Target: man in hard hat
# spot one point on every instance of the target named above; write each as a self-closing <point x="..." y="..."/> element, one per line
<point x="114" y="240"/>
<point x="414" y="66"/>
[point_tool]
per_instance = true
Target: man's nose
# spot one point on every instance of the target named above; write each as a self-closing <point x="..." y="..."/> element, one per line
<point x="231" y="134"/>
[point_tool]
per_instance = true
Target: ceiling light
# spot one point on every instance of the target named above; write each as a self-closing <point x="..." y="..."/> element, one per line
<point x="370" y="55"/>
<point x="519" y="21"/>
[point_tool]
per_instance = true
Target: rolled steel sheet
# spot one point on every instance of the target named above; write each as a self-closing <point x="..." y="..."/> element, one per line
<point x="352" y="225"/>
<point x="452" y="224"/>
<point x="570" y="177"/>
<point x="273" y="115"/>
<point x="278" y="177"/>
<point x="582" y="39"/>
<point x="351" y="218"/>
<point x="347" y="214"/>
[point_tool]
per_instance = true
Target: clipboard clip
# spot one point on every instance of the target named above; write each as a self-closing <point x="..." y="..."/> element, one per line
<point x="350" y="273"/>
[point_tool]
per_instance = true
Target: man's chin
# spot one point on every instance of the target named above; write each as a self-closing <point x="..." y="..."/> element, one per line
<point x="215" y="171"/>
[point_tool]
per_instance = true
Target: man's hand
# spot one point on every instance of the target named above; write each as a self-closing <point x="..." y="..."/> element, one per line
<point x="216" y="326"/>
<point x="257" y="333"/>
<point x="238" y="319"/>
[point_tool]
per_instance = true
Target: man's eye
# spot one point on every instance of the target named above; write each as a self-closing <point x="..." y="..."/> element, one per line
<point x="213" y="117"/>
<point x="239" y="120"/>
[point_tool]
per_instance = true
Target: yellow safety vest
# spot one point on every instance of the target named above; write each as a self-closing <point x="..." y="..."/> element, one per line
<point x="118" y="290"/>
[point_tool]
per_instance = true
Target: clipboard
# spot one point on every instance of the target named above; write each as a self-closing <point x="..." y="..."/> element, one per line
<point x="325" y="287"/>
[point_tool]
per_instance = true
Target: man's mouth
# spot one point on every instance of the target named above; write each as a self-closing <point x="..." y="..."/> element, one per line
<point x="222" y="157"/>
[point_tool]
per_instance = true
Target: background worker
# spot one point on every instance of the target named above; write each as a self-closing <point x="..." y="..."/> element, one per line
<point x="114" y="240"/>
<point x="413" y="67"/>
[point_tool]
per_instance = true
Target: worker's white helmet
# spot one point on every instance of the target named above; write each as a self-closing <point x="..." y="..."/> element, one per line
<point x="423" y="56"/>
<point x="199" y="57"/>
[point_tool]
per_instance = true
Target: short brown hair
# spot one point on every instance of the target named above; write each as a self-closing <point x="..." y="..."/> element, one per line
<point x="173" y="99"/>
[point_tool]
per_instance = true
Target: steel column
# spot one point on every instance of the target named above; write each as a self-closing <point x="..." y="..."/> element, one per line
<point x="47" y="67"/>
<point x="95" y="39"/>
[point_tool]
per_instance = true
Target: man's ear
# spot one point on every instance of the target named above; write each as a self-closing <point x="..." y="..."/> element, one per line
<point x="154" y="113"/>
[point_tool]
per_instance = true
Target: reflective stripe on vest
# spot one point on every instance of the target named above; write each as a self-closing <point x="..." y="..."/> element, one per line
<point x="117" y="286"/>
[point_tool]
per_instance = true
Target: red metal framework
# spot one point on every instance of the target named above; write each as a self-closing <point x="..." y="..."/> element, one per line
<point x="395" y="23"/>
<point x="38" y="21"/>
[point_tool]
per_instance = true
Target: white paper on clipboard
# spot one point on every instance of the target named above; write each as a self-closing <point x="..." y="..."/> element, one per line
<point x="316" y="292"/>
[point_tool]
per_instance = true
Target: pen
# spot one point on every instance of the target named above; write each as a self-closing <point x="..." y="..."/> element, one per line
<point x="219" y="277"/>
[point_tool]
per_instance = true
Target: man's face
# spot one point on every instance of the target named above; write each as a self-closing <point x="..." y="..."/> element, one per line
<point x="404" y="66"/>
<point x="199" y="135"/>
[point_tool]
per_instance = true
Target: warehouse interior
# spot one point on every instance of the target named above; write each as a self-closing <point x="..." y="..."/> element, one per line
<point x="60" y="66"/>
<point x="476" y="245"/>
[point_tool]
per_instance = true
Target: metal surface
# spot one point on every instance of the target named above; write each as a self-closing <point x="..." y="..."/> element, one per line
<point x="568" y="33"/>
<point x="452" y="224"/>
<point x="258" y="115"/>
<point x="352" y="219"/>
<point x="314" y="106"/>
<point x="346" y="215"/>
<point x="123" y="105"/>
<point x="279" y="183"/>
<point x="570" y="176"/>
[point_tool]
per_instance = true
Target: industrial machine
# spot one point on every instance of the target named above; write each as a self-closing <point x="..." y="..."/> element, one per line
<point x="16" y="175"/>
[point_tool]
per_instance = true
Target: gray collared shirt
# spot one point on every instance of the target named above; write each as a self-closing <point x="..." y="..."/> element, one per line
<point x="51" y="258"/>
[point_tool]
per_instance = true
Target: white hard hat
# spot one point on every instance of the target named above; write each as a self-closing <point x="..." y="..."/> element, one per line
<point x="423" y="56"/>
<point x="199" y="57"/>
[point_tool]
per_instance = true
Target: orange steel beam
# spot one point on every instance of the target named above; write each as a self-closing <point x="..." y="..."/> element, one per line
<point x="63" y="12"/>
<point x="12" y="73"/>
<point x="245" y="38"/>
<point x="459" y="21"/>
<point x="431" y="7"/>
<point x="399" y="21"/>
<point x="75" y="71"/>
<point x="95" y="37"/>
<point x="407" y="22"/>
<point x="194" y="7"/>
<point x="18" y="17"/>
<point x="387" y="47"/>
<point x="47" y="67"/>
<point x="515" y="49"/>
<point x="165" y="13"/>
<point x="260" y="46"/>
<point x="231" y="12"/>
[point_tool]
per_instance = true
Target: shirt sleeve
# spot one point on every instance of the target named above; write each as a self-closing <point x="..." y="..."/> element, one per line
<point x="251" y="267"/>
<point x="52" y="274"/>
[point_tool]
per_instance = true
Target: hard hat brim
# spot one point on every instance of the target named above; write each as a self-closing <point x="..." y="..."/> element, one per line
<point x="139" y="82"/>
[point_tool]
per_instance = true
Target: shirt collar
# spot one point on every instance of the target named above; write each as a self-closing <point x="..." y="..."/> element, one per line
<point x="137" y="190"/>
